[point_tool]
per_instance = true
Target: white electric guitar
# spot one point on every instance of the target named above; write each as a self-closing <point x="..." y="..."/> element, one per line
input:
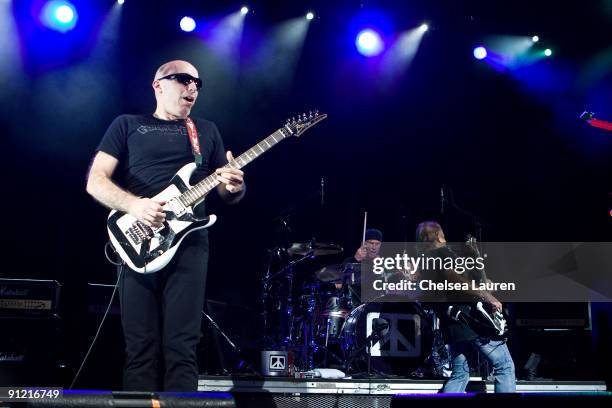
<point x="147" y="250"/>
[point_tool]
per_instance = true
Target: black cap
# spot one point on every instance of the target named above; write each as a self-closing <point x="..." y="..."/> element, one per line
<point x="373" y="233"/>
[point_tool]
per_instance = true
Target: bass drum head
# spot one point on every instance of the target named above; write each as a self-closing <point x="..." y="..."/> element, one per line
<point x="402" y="350"/>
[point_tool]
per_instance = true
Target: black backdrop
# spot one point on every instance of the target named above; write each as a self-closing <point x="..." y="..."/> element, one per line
<point x="510" y="151"/>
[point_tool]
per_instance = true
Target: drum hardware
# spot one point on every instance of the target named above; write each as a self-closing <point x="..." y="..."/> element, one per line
<point x="314" y="248"/>
<point x="338" y="272"/>
<point x="269" y="277"/>
<point x="295" y="328"/>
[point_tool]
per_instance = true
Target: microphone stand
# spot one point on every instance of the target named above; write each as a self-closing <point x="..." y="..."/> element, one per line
<point x="376" y="336"/>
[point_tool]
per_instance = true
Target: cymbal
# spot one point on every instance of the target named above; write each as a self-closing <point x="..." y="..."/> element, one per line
<point x="318" y="249"/>
<point x="334" y="273"/>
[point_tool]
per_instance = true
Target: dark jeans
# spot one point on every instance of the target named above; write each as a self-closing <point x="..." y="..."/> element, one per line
<point x="161" y="318"/>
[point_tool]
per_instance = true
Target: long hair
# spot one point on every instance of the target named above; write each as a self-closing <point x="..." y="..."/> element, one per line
<point x="427" y="233"/>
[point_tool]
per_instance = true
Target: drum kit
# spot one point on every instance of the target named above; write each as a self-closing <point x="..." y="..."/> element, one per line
<point x="316" y="314"/>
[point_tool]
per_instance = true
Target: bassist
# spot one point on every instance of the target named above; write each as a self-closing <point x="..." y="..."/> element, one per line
<point x="462" y="338"/>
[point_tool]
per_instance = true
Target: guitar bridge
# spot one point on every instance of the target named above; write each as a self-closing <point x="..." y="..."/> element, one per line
<point x="139" y="232"/>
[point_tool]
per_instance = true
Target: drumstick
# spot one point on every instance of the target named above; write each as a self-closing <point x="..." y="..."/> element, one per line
<point x="365" y="223"/>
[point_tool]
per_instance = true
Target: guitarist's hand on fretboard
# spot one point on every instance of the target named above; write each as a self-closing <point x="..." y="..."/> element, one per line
<point x="232" y="178"/>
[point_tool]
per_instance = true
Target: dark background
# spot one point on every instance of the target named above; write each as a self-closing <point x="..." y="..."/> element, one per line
<point x="508" y="146"/>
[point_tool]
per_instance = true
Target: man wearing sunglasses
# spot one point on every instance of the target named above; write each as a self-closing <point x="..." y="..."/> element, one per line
<point x="161" y="311"/>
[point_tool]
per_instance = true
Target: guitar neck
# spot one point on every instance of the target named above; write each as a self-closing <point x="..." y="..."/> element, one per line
<point x="201" y="189"/>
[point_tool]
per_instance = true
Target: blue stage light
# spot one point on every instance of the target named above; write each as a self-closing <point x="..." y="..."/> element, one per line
<point x="187" y="24"/>
<point x="369" y="43"/>
<point x="480" y="53"/>
<point x="59" y="15"/>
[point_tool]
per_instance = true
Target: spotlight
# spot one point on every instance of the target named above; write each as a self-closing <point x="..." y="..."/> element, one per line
<point x="369" y="43"/>
<point x="187" y="24"/>
<point x="244" y="10"/>
<point x="480" y="53"/>
<point x="64" y="14"/>
<point x="120" y="1"/>
<point x="424" y="27"/>
<point x="548" y="52"/>
<point x="309" y="15"/>
<point x="535" y="38"/>
<point x="59" y="15"/>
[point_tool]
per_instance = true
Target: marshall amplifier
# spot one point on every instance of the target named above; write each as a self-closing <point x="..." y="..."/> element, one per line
<point x="29" y="297"/>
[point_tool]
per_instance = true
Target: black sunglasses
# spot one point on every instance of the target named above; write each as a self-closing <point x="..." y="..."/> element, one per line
<point x="184" y="79"/>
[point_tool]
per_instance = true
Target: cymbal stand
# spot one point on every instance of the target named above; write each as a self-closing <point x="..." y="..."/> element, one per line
<point x="268" y="277"/>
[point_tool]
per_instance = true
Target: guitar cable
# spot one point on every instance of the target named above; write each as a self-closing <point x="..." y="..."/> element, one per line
<point x="110" y="303"/>
<point x="109" y="245"/>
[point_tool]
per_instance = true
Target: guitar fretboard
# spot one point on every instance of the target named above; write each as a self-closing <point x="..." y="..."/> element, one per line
<point x="199" y="190"/>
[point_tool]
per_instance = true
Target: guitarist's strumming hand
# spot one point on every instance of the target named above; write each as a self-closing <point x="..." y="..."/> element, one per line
<point x="232" y="178"/>
<point x="148" y="211"/>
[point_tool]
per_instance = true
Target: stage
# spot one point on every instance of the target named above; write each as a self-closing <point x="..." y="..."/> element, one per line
<point x="377" y="386"/>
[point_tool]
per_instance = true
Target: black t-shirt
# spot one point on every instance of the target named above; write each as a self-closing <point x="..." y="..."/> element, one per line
<point x="150" y="151"/>
<point x="453" y="330"/>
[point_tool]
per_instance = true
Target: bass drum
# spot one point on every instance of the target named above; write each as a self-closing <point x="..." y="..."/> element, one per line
<point x="402" y="350"/>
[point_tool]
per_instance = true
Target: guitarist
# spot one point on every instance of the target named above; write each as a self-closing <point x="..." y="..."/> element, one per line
<point x="460" y="337"/>
<point x="160" y="312"/>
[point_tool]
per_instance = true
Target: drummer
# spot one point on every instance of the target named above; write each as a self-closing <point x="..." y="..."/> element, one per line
<point x="370" y="247"/>
<point x="364" y="254"/>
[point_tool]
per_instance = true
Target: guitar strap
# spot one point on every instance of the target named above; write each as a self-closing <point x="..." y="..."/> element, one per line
<point x="194" y="140"/>
<point x="602" y="124"/>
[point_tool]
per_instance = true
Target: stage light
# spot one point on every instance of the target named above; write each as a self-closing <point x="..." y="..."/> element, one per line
<point x="369" y="43"/>
<point x="548" y="52"/>
<point x="120" y="1"/>
<point x="309" y="15"/>
<point x="480" y="53"/>
<point x="244" y="10"/>
<point x="535" y="38"/>
<point x="187" y="24"/>
<point x="424" y="27"/>
<point x="59" y="15"/>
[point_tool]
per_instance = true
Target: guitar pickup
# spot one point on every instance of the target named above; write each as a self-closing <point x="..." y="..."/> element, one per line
<point x="177" y="207"/>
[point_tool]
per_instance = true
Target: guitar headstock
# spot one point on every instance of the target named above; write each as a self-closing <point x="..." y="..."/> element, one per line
<point x="303" y="122"/>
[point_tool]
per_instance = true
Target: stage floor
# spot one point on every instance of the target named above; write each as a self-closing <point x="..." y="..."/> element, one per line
<point x="377" y="386"/>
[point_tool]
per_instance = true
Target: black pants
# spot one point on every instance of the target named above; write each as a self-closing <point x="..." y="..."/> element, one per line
<point x="161" y="318"/>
